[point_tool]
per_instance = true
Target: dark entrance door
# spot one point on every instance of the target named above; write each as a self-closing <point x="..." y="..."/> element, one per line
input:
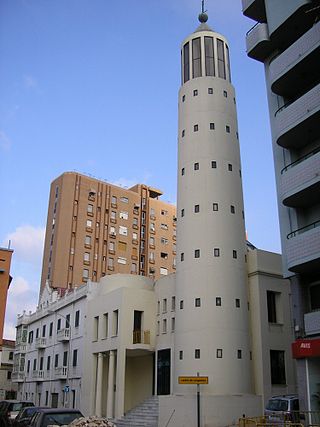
<point x="54" y="400"/>
<point x="163" y="372"/>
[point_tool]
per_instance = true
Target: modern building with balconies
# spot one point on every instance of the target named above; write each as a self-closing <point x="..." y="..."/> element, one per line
<point x="289" y="47"/>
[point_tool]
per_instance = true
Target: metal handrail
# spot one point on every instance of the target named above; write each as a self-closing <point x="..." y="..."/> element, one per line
<point x="300" y="160"/>
<point x="252" y="28"/>
<point x="283" y="107"/>
<point x="303" y="229"/>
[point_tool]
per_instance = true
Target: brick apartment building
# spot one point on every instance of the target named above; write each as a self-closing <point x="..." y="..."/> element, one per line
<point x="95" y="228"/>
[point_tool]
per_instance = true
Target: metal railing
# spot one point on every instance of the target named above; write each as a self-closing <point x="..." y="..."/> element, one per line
<point x="300" y="160"/>
<point x="141" y="337"/>
<point x="283" y="419"/>
<point x="283" y="107"/>
<point x="303" y="229"/>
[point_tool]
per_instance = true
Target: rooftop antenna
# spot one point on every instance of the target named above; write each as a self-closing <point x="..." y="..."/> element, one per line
<point x="203" y="17"/>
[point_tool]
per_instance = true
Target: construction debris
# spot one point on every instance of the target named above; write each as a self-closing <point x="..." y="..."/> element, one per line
<point x="92" y="421"/>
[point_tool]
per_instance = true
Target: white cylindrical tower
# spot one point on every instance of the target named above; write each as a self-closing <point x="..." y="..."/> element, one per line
<point x="212" y="327"/>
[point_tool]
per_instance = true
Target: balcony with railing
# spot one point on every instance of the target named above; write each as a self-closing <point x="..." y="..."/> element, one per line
<point x="141" y="340"/>
<point x="288" y="71"/>
<point x="61" y="372"/>
<point x="21" y="347"/>
<point x="303" y="249"/>
<point x="299" y="120"/>
<point x="63" y="335"/>
<point x="258" y="42"/>
<point x="141" y="337"/>
<point x="254" y="9"/>
<point x="18" y="376"/>
<point x="300" y="181"/>
<point x="38" y="375"/>
<point x="312" y="323"/>
<point x="41" y="343"/>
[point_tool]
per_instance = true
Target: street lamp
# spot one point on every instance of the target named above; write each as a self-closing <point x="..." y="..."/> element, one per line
<point x="68" y="327"/>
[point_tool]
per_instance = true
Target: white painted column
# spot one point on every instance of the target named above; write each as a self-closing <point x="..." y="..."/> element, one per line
<point x="99" y="385"/>
<point x="110" y="393"/>
<point x="93" y="388"/>
<point x="120" y="382"/>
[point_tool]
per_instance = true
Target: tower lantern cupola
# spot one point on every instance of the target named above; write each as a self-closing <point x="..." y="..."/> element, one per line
<point x="205" y="53"/>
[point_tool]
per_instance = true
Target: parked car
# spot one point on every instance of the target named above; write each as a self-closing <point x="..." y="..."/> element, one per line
<point x="283" y="408"/>
<point x="24" y="416"/>
<point x="9" y="409"/>
<point x="55" y="416"/>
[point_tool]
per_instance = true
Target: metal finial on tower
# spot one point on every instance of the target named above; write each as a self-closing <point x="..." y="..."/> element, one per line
<point x="203" y="17"/>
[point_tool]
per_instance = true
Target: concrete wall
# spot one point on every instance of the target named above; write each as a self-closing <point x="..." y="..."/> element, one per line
<point x="217" y="411"/>
<point x="264" y="270"/>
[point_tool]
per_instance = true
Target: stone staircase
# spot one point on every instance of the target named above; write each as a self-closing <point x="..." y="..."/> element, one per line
<point x="143" y="415"/>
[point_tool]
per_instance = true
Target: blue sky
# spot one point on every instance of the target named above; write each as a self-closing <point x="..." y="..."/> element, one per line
<point x="91" y="85"/>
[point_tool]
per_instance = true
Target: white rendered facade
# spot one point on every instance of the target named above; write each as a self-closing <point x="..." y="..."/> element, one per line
<point x="211" y="221"/>
<point x="7" y="388"/>
<point x="49" y="350"/>
<point x="271" y="325"/>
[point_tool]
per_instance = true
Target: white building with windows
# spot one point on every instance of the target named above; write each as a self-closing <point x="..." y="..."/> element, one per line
<point x="8" y="389"/>
<point x="112" y="344"/>
<point x="49" y="349"/>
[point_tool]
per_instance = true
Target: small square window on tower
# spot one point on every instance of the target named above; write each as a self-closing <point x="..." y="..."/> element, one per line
<point x="225" y="94"/>
<point x="183" y="98"/>
<point x="215" y="206"/>
<point x="232" y="209"/>
<point x="195" y="128"/>
<point x="197" y="353"/>
<point x="216" y="252"/>
<point x="180" y="354"/>
<point x="181" y="304"/>
<point x="182" y="256"/>
<point x="219" y="353"/>
<point x="183" y="133"/>
<point x="227" y="129"/>
<point x="238" y="302"/>
<point x="195" y="92"/>
<point x="210" y="90"/>
<point x="182" y="171"/>
<point x="196" y="208"/>
<point x="218" y="301"/>
<point x="229" y="167"/>
<point x="234" y="254"/>
<point x="213" y="164"/>
<point x="211" y="126"/>
<point x="197" y="302"/>
<point x="196" y="166"/>
<point x="197" y="253"/>
<point x="239" y="354"/>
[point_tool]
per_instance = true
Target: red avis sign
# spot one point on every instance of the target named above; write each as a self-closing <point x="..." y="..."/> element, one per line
<point x="305" y="348"/>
